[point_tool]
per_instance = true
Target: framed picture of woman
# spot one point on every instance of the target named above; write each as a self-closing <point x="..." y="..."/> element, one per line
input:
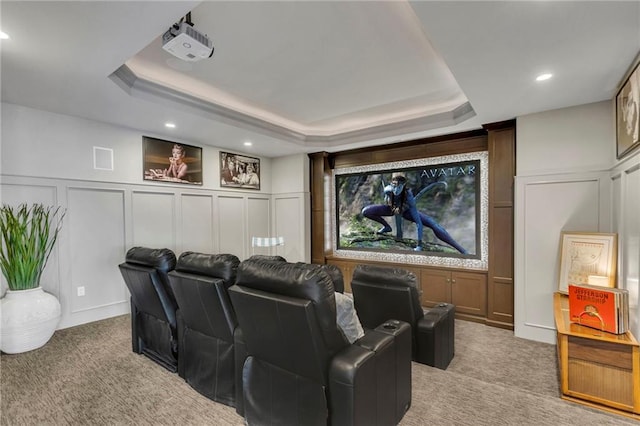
<point x="167" y="161"/>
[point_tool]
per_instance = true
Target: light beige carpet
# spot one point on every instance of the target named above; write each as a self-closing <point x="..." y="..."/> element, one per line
<point x="88" y="375"/>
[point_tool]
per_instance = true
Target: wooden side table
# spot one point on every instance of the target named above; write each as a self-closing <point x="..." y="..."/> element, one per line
<point x="597" y="368"/>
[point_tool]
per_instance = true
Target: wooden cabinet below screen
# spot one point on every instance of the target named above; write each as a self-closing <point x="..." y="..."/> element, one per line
<point x="466" y="290"/>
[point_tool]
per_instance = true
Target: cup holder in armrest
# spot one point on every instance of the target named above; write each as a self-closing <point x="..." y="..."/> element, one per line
<point x="391" y="325"/>
<point x="394" y="327"/>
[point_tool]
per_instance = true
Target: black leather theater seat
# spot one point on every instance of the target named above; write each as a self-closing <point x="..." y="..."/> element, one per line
<point x="153" y="306"/>
<point x="207" y="325"/>
<point x="383" y="292"/>
<point x="300" y="369"/>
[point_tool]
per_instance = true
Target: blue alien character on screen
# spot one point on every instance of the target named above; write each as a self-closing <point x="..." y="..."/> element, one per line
<point x="401" y="203"/>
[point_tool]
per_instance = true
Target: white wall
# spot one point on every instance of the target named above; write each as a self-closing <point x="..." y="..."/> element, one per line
<point x="290" y="174"/>
<point x="43" y="144"/>
<point x="566" y="140"/>
<point x="48" y="158"/>
<point x="565" y="170"/>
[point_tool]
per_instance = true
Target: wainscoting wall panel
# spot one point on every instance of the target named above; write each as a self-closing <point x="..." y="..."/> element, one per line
<point x="630" y="263"/>
<point x="546" y="206"/>
<point x="96" y="241"/>
<point x="154" y="219"/>
<point x="231" y="225"/>
<point x="625" y="184"/>
<point x="616" y="200"/>
<point x="104" y="220"/>
<point x="291" y="221"/>
<point x="196" y="224"/>
<point x="259" y="218"/>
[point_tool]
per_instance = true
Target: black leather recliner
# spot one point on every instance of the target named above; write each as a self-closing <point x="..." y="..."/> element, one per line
<point x="207" y="325"/>
<point x="153" y="306"/>
<point x="300" y="368"/>
<point x="273" y="258"/>
<point x="382" y="292"/>
<point x="336" y="276"/>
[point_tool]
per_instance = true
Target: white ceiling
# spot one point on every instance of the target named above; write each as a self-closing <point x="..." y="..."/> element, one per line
<point x="306" y="76"/>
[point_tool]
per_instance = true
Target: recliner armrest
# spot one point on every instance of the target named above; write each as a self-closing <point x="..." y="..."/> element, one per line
<point x="373" y="340"/>
<point x="425" y="350"/>
<point x="392" y="348"/>
<point x="435" y="337"/>
<point x="427" y="323"/>
<point x="180" y="334"/>
<point x="240" y="351"/>
<point x="402" y="335"/>
<point x="384" y="347"/>
<point x="352" y="386"/>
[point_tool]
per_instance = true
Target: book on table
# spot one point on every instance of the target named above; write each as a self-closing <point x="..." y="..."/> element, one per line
<point x="604" y="308"/>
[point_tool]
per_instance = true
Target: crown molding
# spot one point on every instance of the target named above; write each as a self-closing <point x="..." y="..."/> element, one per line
<point x="139" y="87"/>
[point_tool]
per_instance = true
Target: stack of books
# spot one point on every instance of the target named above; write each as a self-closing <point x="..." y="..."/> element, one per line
<point x="604" y="308"/>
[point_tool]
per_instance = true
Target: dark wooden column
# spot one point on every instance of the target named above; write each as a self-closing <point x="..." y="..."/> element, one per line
<point x="320" y="175"/>
<point x="502" y="169"/>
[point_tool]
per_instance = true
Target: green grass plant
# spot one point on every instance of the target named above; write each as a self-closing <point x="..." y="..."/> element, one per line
<point x="28" y="236"/>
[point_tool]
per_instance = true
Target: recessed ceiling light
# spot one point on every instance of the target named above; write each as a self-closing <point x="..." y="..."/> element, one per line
<point x="3" y="35"/>
<point x="543" y="77"/>
<point x="247" y="143"/>
<point x="170" y="125"/>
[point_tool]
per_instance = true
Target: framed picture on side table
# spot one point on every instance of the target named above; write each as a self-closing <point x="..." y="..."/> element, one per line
<point x="584" y="255"/>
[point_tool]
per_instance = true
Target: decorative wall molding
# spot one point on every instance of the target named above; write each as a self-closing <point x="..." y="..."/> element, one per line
<point x="105" y="219"/>
<point x="140" y="87"/>
<point x="544" y="207"/>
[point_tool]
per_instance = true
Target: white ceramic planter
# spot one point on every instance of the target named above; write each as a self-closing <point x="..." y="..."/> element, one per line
<point x="29" y="318"/>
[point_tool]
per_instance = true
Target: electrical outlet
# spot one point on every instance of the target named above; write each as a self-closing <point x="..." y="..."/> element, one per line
<point x="81" y="291"/>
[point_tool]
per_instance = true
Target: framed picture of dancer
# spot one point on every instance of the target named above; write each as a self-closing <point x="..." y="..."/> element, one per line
<point x="432" y="209"/>
<point x="628" y="115"/>
<point x="584" y="256"/>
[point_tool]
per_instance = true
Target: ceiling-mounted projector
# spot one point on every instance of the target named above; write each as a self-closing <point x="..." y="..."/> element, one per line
<point x="186" y="43"/>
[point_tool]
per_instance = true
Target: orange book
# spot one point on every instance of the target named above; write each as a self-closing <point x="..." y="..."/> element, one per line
<point x="596" y="307"/>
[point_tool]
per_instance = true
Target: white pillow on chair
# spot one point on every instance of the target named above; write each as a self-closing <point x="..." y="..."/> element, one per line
<point x="347" y="318"/>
